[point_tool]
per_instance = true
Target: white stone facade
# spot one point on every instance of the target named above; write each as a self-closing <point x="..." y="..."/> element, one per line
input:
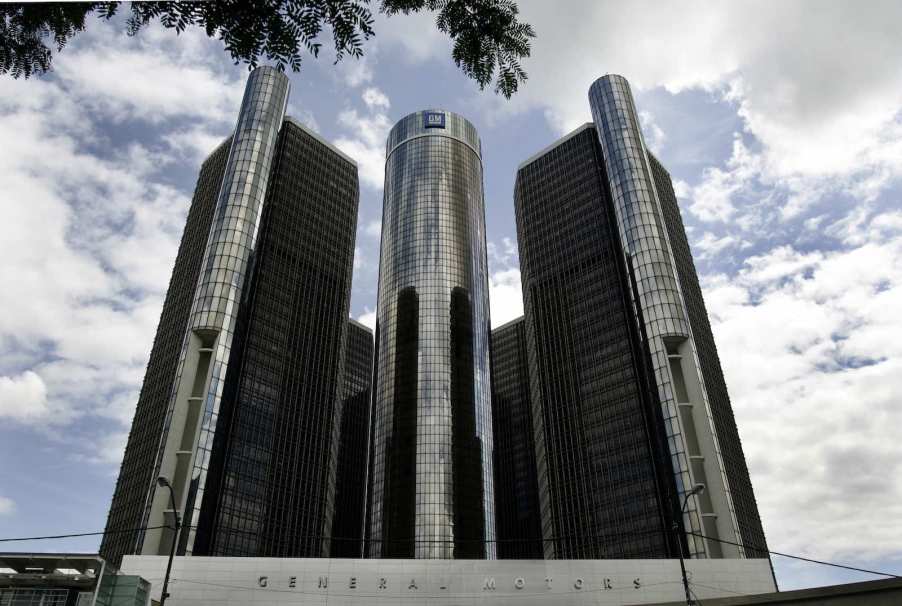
<point x="199" y="581"/>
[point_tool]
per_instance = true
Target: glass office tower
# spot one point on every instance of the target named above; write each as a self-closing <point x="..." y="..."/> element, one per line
<point x="517" y="518"/>
<point x="431" y="488"/>
<point x="241" y="402"/>
<point x="754" y="543"/>
<point x="136" y="473"/>
<point x="630" y="408"/>
<point x="693" y="442"/>
<point x="602" y="464"/>
<point x="350" y="489"/>
<point x="274" y="456"/>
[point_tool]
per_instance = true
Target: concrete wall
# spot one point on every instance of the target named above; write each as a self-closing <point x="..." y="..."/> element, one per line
<point x="198" y="581"/>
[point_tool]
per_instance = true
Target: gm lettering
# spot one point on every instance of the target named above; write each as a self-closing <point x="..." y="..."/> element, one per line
<point x="433" y="120"/>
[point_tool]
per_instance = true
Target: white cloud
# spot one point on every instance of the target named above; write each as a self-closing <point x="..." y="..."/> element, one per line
<point x="92" y="225"/>
<point x="372" y="129"/>
<point x="7" y="506"/>
<point x="375" y="99"/>
<point x="365" y="141"/>
<point x="505" y="290"/>
<point x="681" y="189"/>
<point x="368" y="317"/>
<point x="819" y="86"/>
<point x="196" y="143"/>
<point x="373" y="229"/>
<point x="778" y="264"/>
<point x="23" y="398"/>
<point x="505" y="296"/>
<point x="152" y="76"/>
<point x="712" y="198"/>
<point x="356" y="72"/>
<point x="304" y="116"/>
<point x="370" y="159"/>
<point x="711" y="246"/>
<point x="754" y="203"/>
<point x="502" y="255"/>
<point x="654" y="135"/>
<point x="89" y="230"/>
<point x="415" y="35"/>
<point x="811" y="355"/>
<point x="110" y="449"/>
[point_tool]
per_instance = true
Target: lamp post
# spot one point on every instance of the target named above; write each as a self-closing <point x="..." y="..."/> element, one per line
<point x="698" y="489"/>
<point x="162" y="482"/>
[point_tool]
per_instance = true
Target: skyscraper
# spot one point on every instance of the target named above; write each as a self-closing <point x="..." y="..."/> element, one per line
<point x="136" y="473"/>
<point x="350" y="493"/>
<point x="242" y="401"/>
<point x="629" y="404"/>
<point x="604" y="490"/>
<point x="517" y="518"/>
<point x="431" y="488"/>
<point x="735" y="467"/>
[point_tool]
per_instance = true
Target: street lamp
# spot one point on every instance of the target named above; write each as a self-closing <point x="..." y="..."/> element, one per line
<point x="697" y="489"/>
<point x="162" y="482"/>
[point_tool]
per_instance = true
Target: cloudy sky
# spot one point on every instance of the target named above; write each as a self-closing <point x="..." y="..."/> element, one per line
<point x="780" y="123"/>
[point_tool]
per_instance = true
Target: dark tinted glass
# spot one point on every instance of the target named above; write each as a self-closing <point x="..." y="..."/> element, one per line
<point x="727" y="434"/>
<point x="466" y="451"/>
<point x="599" y="456"/>
<point x="350" y="488"/>
<point x="400" y="497"/>
<point x="136" y="472"/>
<point x="271" y="485"/>
<point x="516" y="484"/>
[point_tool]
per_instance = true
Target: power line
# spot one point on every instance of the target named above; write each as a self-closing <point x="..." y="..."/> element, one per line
<point x="795" y="557"/>
<point x="81" y="534"/>
<point x="595" y="537"/>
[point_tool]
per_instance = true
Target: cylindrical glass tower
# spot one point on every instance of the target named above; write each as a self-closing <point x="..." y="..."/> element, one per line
<point x="184" y="451"/>
<point x="431" y="492"/>
<point x="649" y="258"/>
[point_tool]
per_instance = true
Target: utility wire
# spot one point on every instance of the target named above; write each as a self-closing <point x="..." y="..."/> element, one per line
<point x="777" y="553"/>
<point x="82" y="534"/>
<point x="795" y="557"/>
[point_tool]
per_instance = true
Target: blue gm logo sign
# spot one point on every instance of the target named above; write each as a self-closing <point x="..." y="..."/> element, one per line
<point x="433" y="120"/>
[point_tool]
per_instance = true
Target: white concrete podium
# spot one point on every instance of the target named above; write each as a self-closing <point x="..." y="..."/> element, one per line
<point x="199" y="581"/>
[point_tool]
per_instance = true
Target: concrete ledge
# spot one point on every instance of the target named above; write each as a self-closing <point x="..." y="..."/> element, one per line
<point x="227" y="581"/>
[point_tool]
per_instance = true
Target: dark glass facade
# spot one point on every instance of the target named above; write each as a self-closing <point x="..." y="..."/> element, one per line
<point x="695" y="445"/>
<point x="271" y="483"/>
<point x="645" y="248"/>
<point x="350" y="490"/>
<point x="629" y="408"/>
<point x="725" y="425"/>
<point x="517" y="518"/>
<point x="192" y="416"/>
<point x="603" y="484"/>
<point x="432" y="488"/>
<point x="136" y="474"/>
<point x="242" y="402"/>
